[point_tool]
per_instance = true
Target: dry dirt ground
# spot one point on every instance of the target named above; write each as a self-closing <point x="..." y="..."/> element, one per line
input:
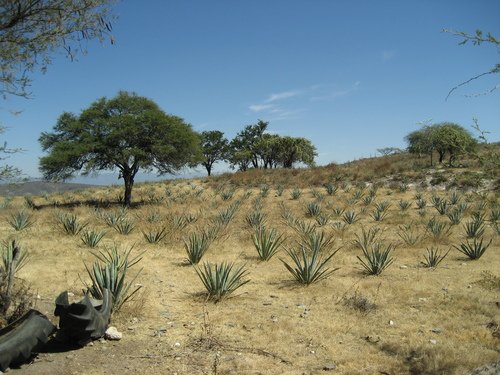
<point x="408" y="320"/>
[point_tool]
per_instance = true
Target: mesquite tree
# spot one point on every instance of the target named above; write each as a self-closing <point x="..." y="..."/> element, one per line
<point x="126" y="133"/>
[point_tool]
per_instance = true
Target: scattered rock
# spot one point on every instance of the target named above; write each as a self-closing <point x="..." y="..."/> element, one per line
<point x="329" y="367"/>
<point x="437" y="330"/>
<point x="391" y="322"/>
<point x="372" y="339"/>
<point x="112" y="334"/>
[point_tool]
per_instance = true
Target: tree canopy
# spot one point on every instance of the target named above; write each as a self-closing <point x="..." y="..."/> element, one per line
<point x="214" y="147"/>
<point x="443" y="138"/>
<point x="127" y="132"/>
<point x="32" y="30"/>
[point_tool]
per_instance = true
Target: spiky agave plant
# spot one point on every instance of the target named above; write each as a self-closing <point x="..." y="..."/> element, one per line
<point x="309" y="267"/>
<point x="220" y="280"/>
<point x="433" y="257"/>
<point x="20" y="220"/>
<point x="474" y="250"/>
<point x="377" y="259"/>
<point x="267" y="242"/>
<point x="156" y="235"/>
<point x="196" y="246"/>
<point x="109" y="271"/>
<point x="91" y="238"/>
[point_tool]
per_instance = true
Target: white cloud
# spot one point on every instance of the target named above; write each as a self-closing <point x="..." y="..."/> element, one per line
<point x="261" y="107"/>
<point x="282" y="95"/>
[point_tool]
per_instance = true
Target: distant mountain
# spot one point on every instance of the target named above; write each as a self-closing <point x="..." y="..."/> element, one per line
<point x="39" y="188"/>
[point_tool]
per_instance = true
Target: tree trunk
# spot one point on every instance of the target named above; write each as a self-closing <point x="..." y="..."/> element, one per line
<point x="129" y="183"/>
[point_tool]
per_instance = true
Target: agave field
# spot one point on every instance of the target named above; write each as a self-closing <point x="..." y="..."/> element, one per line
<point x="224" y="279"/>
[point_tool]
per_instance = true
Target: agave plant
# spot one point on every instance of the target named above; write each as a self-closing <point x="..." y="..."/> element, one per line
<point x="473" y="250"/>
<point x="404" y="205"/>
<point x="303" y="228"/>
<point x="196" y="246"/>
<point x="256" y="219"/>
<point x="474" y="228"/>
<point x="267" y="242"/>
<point x="322" y="220"/>
<point x="421" y="203"/>
<point x="20" y="220"/>
<point x="377" y="259"/>
<point x="433" y="257"/>
<point x="366" y="238"/>
<point x="11" y="257"/>
<point x="455" y="216"/>
<point x="437" y="228"/>
<point x="330" y="188"/>
<point x="220" y="280"/>
<point x="409" y="234"/>
<point x="350" y="217"/>
<point x="279" y="190"/>
<point x="109" y="271"/>
<point x="317" y="242"/>
<point x="313" y="209"/>
<point x="91" y="238"/>
<point x="70" y="223"/>
<point x="442" y="207"/>
<point x="124" y="226"/>
<point x="296" y="193"/>
<point x="309" y="267"/>
<point x="156" y="235"/>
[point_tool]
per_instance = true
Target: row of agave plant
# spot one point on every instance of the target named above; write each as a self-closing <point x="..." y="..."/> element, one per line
<point x="308" y="261"/>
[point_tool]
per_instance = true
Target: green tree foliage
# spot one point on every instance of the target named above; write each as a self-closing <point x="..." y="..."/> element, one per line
<point x="253" y="147"/>
<point x="244" y="150"/>
<point x="214" y="147"/>
<point x="32" y="30"/>
<point x="296" y="150"/>
<point x="127" y="132"/>
<point x="444" y="139"/>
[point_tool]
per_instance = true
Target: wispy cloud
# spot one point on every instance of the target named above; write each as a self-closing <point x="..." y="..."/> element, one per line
<point x="387" y="55"/>
<point x="335" y="93"/>
<point x="291" y="104"/>
<point x="282" y="95"/>
<point x="261" y="107"/>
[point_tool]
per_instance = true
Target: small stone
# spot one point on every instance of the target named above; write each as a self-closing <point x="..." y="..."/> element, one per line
<point x="71" y="294"/>
<point x="469" y="286"/>
<point x="464" y="264"/>
<point x="433" y="342"/>
<point x="312" y="352"/>
<point x="403" y="267"/>
<point x="177" y="358"/>
<point x="112" y="334"/>
<point x="329" y="367"/>
<point x="422" y="300"/>
<point x="437" y="330"/>
<point x="391" y="322"/>
<point x="177" y="344"/>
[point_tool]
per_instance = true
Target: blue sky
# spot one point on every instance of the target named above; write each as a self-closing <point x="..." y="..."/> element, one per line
<point x="352" y="76"/>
